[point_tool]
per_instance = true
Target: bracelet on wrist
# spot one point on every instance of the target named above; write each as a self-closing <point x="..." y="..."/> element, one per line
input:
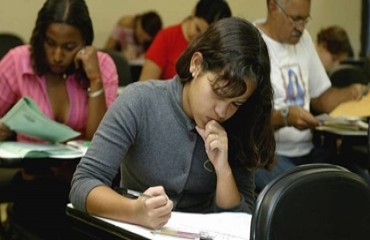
<point x="284" y="112"/>
<point x="96" y="93"/>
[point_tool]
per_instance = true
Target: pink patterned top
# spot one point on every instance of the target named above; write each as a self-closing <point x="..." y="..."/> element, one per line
<point x="18" y="79"/>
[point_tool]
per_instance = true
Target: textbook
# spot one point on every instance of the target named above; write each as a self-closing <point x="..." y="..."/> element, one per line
<point x="26" y="118"/>
<point x="343" y="125"/>
<point x="11" y="149"/>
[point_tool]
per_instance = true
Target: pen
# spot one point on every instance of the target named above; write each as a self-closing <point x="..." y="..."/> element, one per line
<point x="182" y="234"/>
<point x="130" y="193"/>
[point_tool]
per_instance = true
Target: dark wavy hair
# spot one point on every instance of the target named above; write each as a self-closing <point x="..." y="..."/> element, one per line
<point x="234" y="50"/>
<point x="151" y="23"/>
<point x="71" y="12"/>
<point x="212" y="10"/>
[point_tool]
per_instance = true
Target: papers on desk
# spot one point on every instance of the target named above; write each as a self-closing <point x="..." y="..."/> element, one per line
<point x="343" y="125"/>
<point x="9" y="150"/>
<point x="353" y="108"/>
<point x="25" y="118"/>
<point x="217" y="226"/>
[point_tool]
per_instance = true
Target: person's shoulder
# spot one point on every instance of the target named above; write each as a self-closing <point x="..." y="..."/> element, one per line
<point x="19" y="56"/>
<point x="306" y="36"/>
<point x="171" y="29"/>
<point x="148" y="87"/>
<point x="104" y="57"/>
<point x="143" y="91"/>
<point x="126" y="21"/>
<point x="21" y="51"/>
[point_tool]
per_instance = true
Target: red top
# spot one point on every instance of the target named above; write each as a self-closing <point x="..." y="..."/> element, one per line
<point x="166" y="48"/>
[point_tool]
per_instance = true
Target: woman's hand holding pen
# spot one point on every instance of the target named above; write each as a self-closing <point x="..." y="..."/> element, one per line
<point x="216" y="144"/>
<point x="154" y="211"/>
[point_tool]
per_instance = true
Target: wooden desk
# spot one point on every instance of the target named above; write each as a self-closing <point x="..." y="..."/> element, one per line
<point x="358" y="141"/>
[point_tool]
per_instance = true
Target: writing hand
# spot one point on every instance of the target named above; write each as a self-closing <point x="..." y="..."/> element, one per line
<point x="216" y="144"/>
<point x="155" y="211"/>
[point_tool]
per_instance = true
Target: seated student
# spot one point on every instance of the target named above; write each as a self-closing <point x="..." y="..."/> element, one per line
<point x="333" y="47"/>
<point x="300" y="85"/>
<point x="71" y="83"/>
<point x="133" y="34"/>
<point x="184" y="141"/>
<point x="161" y="57"/>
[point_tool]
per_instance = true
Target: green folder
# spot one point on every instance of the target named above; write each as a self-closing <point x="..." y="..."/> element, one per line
<point x="26" y="118"/>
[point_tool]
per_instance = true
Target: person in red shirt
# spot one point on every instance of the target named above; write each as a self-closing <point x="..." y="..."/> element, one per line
<point x="161" y="57"/>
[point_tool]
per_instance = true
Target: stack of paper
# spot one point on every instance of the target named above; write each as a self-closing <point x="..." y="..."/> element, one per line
<point x="26" y="118"/>
<point x="215" y="226"/>
<point x="38" y="150"/>
<point x="343" y="125"/>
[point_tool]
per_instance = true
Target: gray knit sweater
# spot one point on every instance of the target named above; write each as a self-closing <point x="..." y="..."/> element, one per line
<point x="147" y="133"/>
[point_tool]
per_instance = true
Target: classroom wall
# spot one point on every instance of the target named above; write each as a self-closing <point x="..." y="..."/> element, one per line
<point x="19" y="15"/>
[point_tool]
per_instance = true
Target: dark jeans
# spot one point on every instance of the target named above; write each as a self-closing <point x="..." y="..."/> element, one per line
<point x="354" y="161"/>
<point x="317" y="155"/>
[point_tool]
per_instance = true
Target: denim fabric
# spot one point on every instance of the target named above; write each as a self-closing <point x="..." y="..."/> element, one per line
<point x="317" y="155"/>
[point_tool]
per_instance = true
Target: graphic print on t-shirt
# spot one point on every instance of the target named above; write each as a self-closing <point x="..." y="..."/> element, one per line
<point x="293" y="83"/>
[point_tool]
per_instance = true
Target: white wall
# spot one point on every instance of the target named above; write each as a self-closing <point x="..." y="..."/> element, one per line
<point x="19" y="15"/>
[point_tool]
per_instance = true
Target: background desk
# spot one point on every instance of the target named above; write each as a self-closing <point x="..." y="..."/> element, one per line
<point x="357" y="141"/>
<point x="34" y="163"/>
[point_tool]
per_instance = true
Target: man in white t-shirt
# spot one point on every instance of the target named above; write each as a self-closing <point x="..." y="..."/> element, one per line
<point x="300" y="82"/>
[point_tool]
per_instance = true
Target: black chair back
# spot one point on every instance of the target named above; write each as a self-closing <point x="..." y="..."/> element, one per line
<point x="347" y="74"/>
<point x="313" y="202"/>
<point x="8" y="41"/>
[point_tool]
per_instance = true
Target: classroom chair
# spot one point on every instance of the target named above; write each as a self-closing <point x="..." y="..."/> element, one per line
<point x="8" y="41"/>
<point x="315" y="201"/>
<point x="346" y="74"/>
